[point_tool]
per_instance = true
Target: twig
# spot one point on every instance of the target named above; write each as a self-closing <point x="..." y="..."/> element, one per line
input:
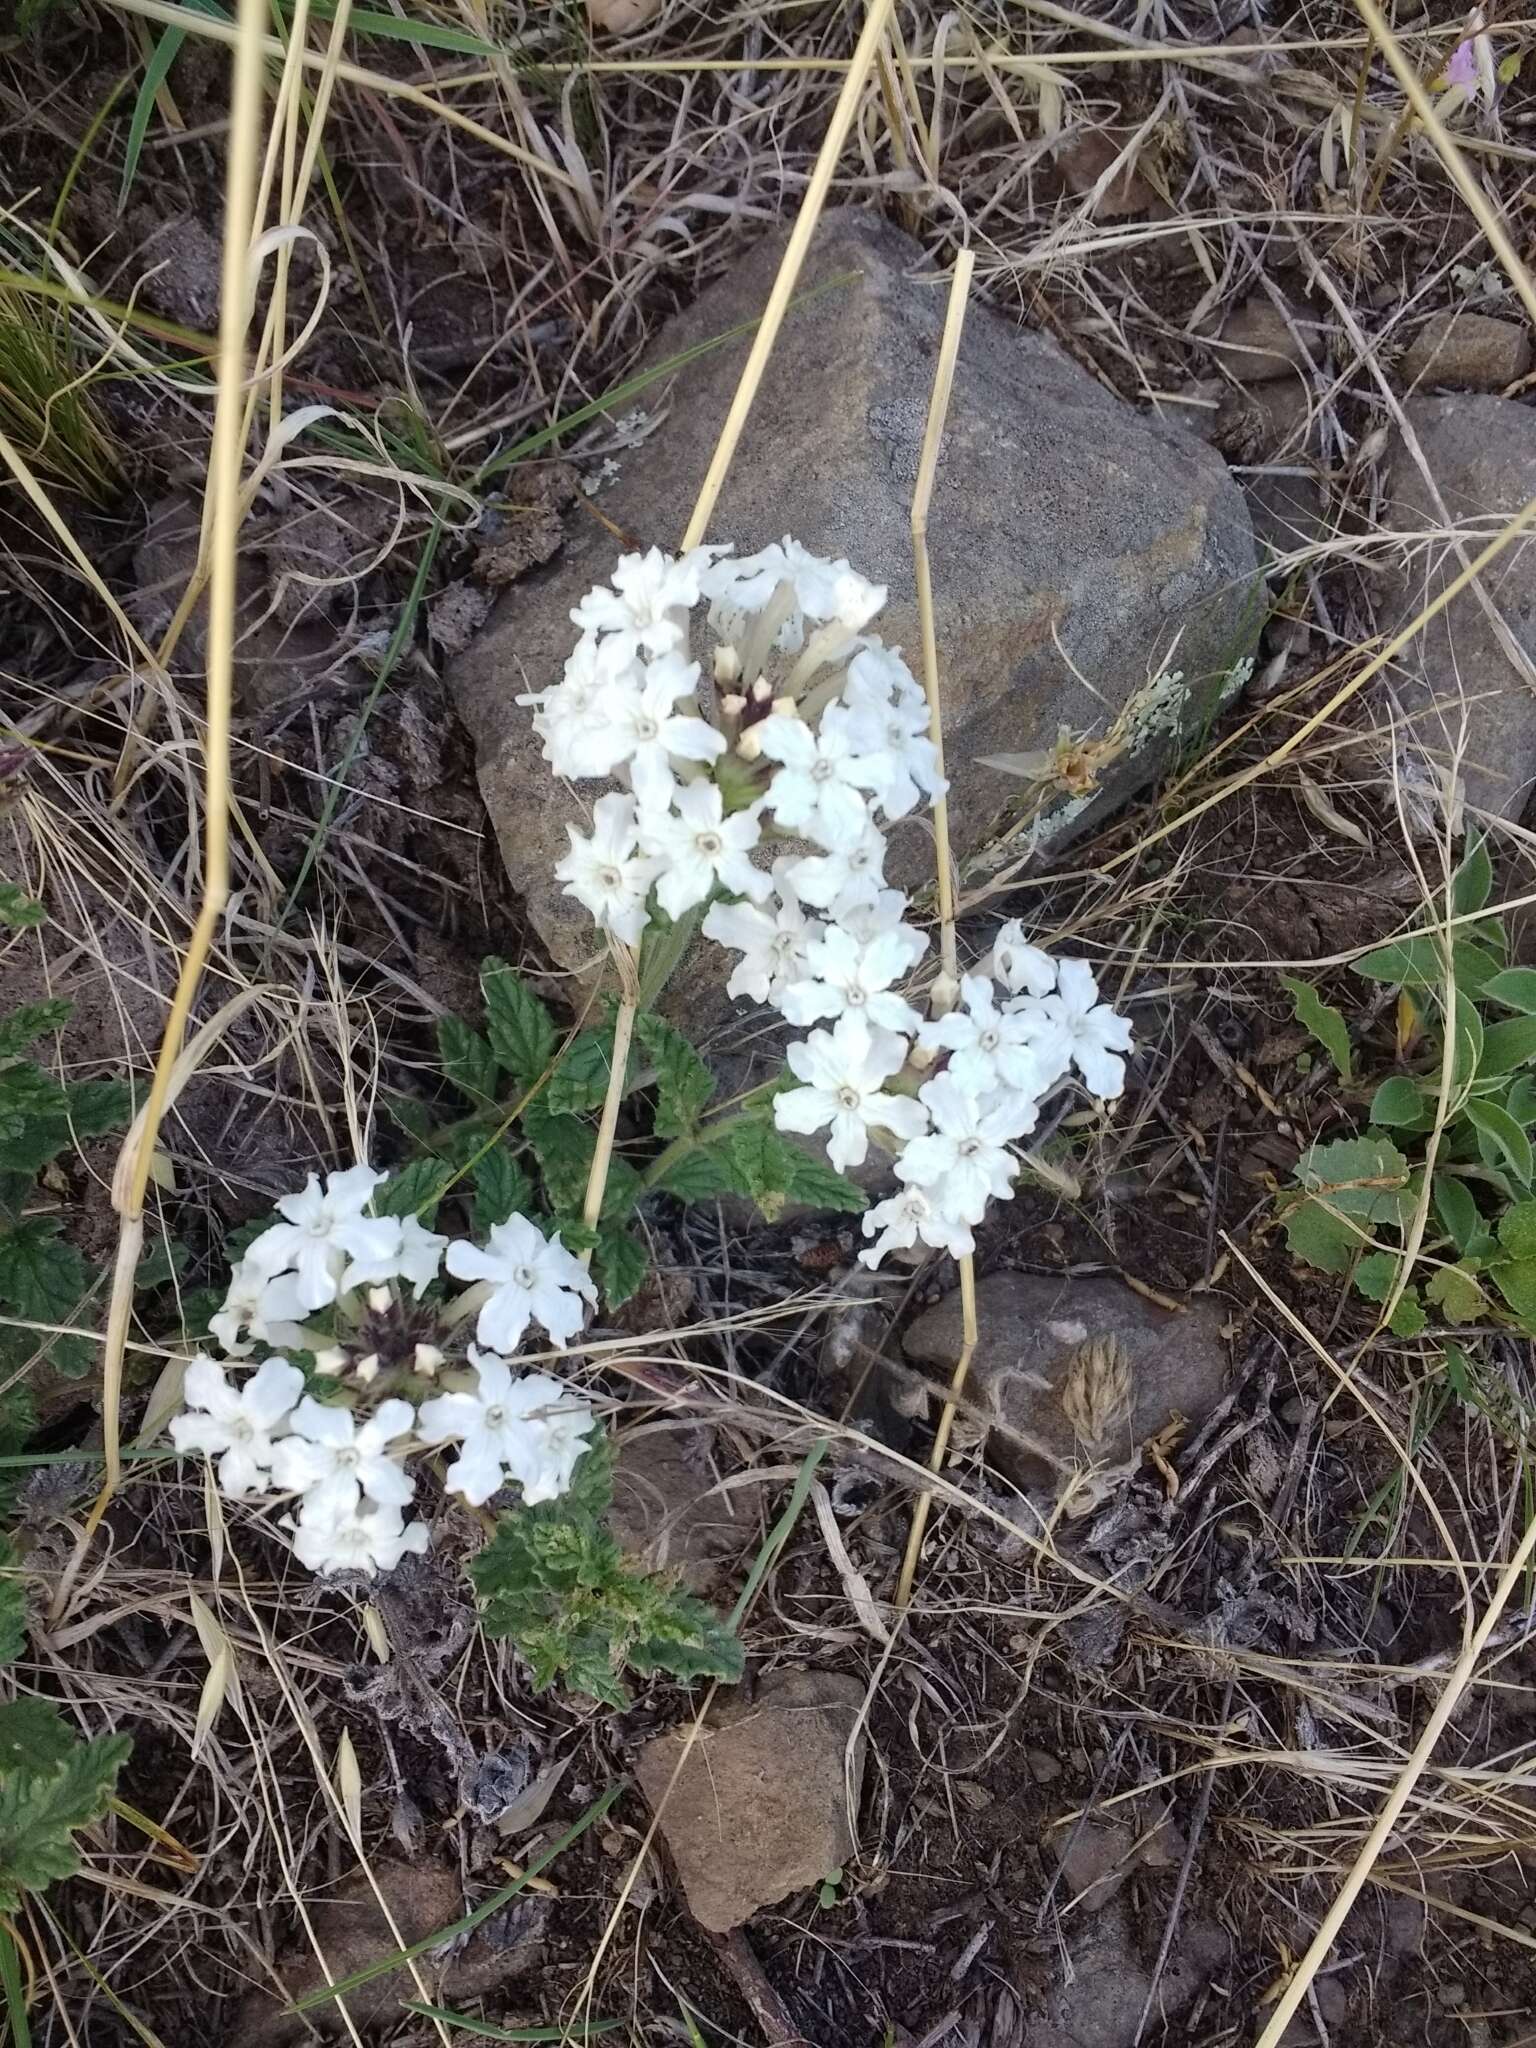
<point x="948" y="986"/>
<point x="768" y="2009"/>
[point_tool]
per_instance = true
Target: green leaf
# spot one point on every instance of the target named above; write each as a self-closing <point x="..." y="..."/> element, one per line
<point x="26" y="1094"/>
<point x="1408" y="1318"/>
<point x="17" y="909"/>
<point x="1416" y="962"/>
<point x="1507" y="1046"/>
<point x="1472" y="883"/>
<point x="762" y="1160"/>
<point x="1362" y="1177"/>
<point x="94" y="1107"/>
<point x="1376" y="1275"/>
<point x="502" y="1189"/>
<point x="1457" y="1210"/>
<point x="41" y="1277"/>
<point x="819" y="1186"/>
<point x="1456" y="1293"/>
<point x="32" y="1020"/>
<point x="1325" y="1023"/>
<point x="684" y="1083"/>
<point x="521" y="1030"/>
<point x="698" y="1174"/>
<point x="414" y="1189"/>
<point x="467" y="1060"/>
<point x="1323" y="1239"/>
<point x="1474" y="967"/>
<point x="622" y="1189"/>
<point x="1467" y="1049"/>
<point x="13" y="1604"/>
<point x="1506" y="1136"/>
<point x="580" y="1082"/>
<point x="1516" y="1281"/>
<point x="563" y="1146"/>
<point x="34" y="1736"/>
<point x="1515" y="988"/>
<point x="39" y="1811"/>
<point x="1517" y="1231"/>
<point x="622" y="1263"/>
<point x="1397" y="1103"/>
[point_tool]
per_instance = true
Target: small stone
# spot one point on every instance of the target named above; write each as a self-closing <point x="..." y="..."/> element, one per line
<point x="1259" y="343"/>
<point x="1034" y="1330"/>
<point x="665" y="1514"/>
<point x="1452" y="1996"/>
<point x="1096" y="1861"/>
<point x="760" y="1807"/>
<point x="1043" y="1767"/>
<point x="1468" y="351"/>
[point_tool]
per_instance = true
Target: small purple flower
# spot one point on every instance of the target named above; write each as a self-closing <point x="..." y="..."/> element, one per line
<point x="1462" y="69"/>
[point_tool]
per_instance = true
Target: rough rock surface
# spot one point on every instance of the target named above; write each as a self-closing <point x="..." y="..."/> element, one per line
<point x="1260" y="341"/>
<point x="761" y="1807"/>
<point x="1038" y="1335"/>
<point x="1475" y="661"/>
<point x="1067" y="531"/>
<point x="1472" y="351"/>
<point x="1100" y="2001"/>
<point x="665" y="1513"/>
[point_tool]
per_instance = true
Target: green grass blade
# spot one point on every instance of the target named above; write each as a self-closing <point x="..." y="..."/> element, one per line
<point x="781" y="1531"/>
<point x="383" y="1964"/>
<point x="15" y="1997"/>
<point x="427" y="35"/>
<point x="156" y="71"/>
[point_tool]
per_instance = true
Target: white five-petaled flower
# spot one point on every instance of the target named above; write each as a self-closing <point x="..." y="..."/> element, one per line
<point x="644" y="732"/>
<point x="237" y="1425"/>
<point x="771" y="940"/>
<point x="964" y="1160"/>
<point x="333" y="1535"/>
<point x="651" y="596"/>
<point x="331" y="1457"/>
<point x="883" y="713"/>
<point x="846" y="975"/>
<point x="820" y="788"/>
<point x="1023" y="969"/>
<point x="605" y="872"/>
<point x="696" y="845"/>
<point x="263" y="1306"/>
<point x="907" y="1218"/>
<point x="414" y="1256"/>
<point x="1096" y="1033"/>
<point x="989" y="1048"/>
<point x="569" y="719"/>
<point x="846" y="878"/>
<point x="844" y="1071"/>
<point x="323" y="1231"/>
<point x="532" y="1279"/>
<point x="532" y="1428"/>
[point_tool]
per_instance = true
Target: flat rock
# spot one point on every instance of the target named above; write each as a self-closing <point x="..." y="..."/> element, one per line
<point x="1106" y="1983"/>
<point x="665" y="1512"/>
<point x="1473" y="661"/>
<point x="761" y="1806"/>
<point x="1073" y="541"/>
<point x="1042" y="1340"/>
<point x="1469" y="351"/>
<point x="1260" y="341"/>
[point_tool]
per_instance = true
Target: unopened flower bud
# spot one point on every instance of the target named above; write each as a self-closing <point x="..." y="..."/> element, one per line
<point x="379" y="1300"/>
<point x="943" y="995"/>
<point x="367" y="1369"/>
<point x="762" y="690"/>
<point x="727" y="665"/>
<point x="922" y="1056"/>
<point x="331" y="1363"/>
<point x="428" y="1358"/>
<point x="785" y="707"/>
<point x="733" y="704"/>
<point x="750" y="745"/>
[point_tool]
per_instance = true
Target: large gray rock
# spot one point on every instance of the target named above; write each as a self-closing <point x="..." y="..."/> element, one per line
<point x="1076" y="545"/>
<point x="1476" y="661"/>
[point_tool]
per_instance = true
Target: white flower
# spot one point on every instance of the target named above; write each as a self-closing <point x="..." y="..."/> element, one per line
<point x="845" y="878"/>
<point x="533" y="1428"/>
<point x="866" y="916"/>
<point x="237" y="1427"/>
<point x="1023" y="969"/>
<point x="322" y="1232"/>
<point x="1095" y="1032"/>
<point x="965" y="1159"/>
<point x="330" y="1456"/>
<point x="819" y="788"/>
<point x="415" y="1256"/>
<point x="698" y="846"/>
<point x="533" y="1279"/>
<point x="267" y="1308"/>
<point x="771" y="941"/>
<point x="884" y="714"/>
<point x="570" y="719"/>
<point x="906" y="1218"/>
<point x="333" y="1535"/>
<point x="645" y="732"/>
<point x="845" y="974"/>
<point x="652" y="595"/>
<point x="605" y="873"/>
<point x="844" y="1070"/>
<point x="989" y="1048"/>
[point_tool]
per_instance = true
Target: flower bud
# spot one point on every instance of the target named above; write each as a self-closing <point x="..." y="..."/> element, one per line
<point x="727" y="665"/>
<point x="733" y="704"/>
<point x="943" y="995"/>
<point x="331" y="1363"/>
<point x="367" y="1369"/>
<point x="380" y="1300"/>
<point x="427" y="1360"/>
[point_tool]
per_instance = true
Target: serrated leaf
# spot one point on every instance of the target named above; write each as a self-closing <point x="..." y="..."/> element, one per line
<point x="1323" y="1239"/>
<point x="684" y="1084"/>
<point x="1517" y="1231"/>
<point x="1397" y="1103"/>
<point x="39" y="1812"/>
<point x="698" y="1175"/>
<point x="622" y="1263"/>
<point x="1514" y="988"/>
<point x="1509" y="1141"/>
<point x="34" y="1736"/>
<point x="95" y="1107"/>
<point x="1325" y="1023"/>
<point x="1457" y="1294"/>
<point x="17" y="909"/>
<point x="13" y="1604"/>
<point x="1507" y="1046"/>
<point x="580" y="1081"/>
<point x="41" y="1277"/>
<point x="621" y="1191"/>
<point x="563" y="1146"/>
<point x="502" y="1189"/>
<point x="1376" y="1275"/>
<point x="521" y="1030"/>
<point x="820" y="1186"/>
<point x="1362" y="1177"/>
<point x="1458" y="1211"/>
<point x="1408" y="1318"/>
<point x="414" y="1189"/>
<point x="27" y="1094"/>
<point x="31" y="1021"/>
<point x="1472" y="883"/>
<point x="467" y="1060"/>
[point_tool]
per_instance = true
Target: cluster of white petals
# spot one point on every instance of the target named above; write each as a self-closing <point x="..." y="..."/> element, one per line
<point x="343" y="1459"/>
<point x="744" y="703"/>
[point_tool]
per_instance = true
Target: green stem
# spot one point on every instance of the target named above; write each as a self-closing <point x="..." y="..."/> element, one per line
<point x="695" y="1141"/>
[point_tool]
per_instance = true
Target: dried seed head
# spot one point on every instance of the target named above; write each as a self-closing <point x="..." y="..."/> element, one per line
<point x="1096" y="1396"/>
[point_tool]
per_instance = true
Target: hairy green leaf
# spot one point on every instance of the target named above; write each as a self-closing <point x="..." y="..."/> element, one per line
<point x="521" y="1030"/>
<point x="580" y="1082"/>
<point x="41" y="1808"/>
<point x="34" y="1736"/>
<point x="17" y="909"/>
<point x="684" y="1083"/>
<point x="1508" y="1140"/>
<point x="1362" y="1177"/>
<point x="698" y="1174"/>
<point x="1376" y="1275"/>
<point x="21" y="1027"/>
<point x="95" y="1107"/>
<point x="1515" y="988"/>
<point x="1457" y="1210"/>
<point x="414" y="1189"/>
<point x="1456" y="1293"/>
<point x="563" y="1146"/>
<point x="502" y="1189"/>
<point x="467" y="1060"/>
<point x="1408" y="1318"/>
<point x="820" y="1186"/>
<point x="1325" y="1023"/>
<point x="1507" y="1046"/>
<point x="41" y="1277"/>
<point x="1472" y="883"/>
<point x="1517" y="1231"/>
<point x="1323" y="1239"/>
<point x="13" y="1604"/>
<point x="1398" y="1103"/>
<point x="1415" y="962"/>
<point x="622" y="1262"/>
<point x="1516" y="1281"/>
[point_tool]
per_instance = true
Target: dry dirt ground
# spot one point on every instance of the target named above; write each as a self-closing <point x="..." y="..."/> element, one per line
<point x="1119" y="1763"/>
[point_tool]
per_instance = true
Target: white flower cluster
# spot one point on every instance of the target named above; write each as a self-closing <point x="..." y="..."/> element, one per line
<point x="820" y="733"/>
<point x="345" y="1459"/>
